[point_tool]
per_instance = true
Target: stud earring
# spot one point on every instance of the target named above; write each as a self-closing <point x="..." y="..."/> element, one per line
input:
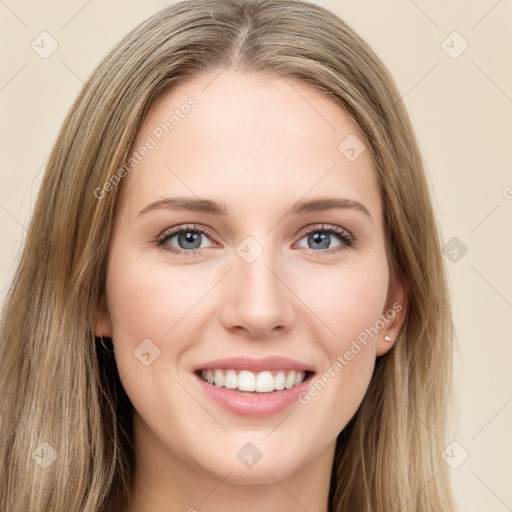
<point x="387" y="338"/>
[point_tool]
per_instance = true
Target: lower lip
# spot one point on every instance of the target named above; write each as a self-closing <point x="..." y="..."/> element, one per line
<point x="248" y="404"/>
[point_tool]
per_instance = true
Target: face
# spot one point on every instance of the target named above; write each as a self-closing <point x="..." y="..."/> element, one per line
<point x="269" y="277"/>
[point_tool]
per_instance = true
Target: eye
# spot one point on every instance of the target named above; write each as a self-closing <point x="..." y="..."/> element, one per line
<point x="320" y="237"/>
<point x="188" y="239"/>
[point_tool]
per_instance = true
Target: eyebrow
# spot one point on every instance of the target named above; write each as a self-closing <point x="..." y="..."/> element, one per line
<point x="209" y="206"/>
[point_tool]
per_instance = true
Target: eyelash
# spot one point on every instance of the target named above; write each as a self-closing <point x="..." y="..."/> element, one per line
<point x="343" y="235"/>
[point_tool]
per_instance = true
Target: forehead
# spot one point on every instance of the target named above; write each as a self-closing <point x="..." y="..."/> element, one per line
<point x="245" y="139"/>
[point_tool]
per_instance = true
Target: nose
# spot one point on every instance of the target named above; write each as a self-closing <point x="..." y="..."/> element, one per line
<point x="259" y="301"/>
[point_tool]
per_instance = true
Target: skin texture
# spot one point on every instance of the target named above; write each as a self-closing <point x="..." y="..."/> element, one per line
<point x="257" y="145"/>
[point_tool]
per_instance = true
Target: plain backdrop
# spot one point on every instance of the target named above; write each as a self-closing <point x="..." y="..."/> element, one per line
<point x="449" y="59"/>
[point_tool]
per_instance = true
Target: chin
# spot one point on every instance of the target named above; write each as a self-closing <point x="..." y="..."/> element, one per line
<point x="266" y="468"/>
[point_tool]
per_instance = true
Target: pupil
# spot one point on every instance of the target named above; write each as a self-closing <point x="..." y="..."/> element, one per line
<point x="321" y="239"/>
<point x="189" y="239"/>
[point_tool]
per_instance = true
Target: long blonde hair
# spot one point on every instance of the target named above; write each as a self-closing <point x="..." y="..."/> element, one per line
<point x="59" y="385"/>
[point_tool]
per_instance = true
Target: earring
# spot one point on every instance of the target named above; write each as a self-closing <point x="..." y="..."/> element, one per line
<point x="387" y="338"/>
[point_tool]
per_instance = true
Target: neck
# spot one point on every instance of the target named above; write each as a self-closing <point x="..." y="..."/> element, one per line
<point x="165" y="483"/>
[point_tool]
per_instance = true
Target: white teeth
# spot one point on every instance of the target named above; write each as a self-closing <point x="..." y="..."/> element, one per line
<point x="219" y="378"/>
<point x="279" y="380"/>
<point x="246" y="381"/>
<point x="262" y="382"/>
<point x="231" y="380"/>
<point x="290" y="380"/>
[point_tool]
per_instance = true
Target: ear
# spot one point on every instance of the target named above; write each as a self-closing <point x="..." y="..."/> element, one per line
<point x="393" y="315"/>
<point x="103" y="326"/>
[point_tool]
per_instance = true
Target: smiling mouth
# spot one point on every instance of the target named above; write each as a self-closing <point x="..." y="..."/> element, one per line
<point x="256" y="383"/>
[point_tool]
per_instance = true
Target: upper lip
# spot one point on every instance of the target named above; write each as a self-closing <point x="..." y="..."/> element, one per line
<point x="255" y="365"/>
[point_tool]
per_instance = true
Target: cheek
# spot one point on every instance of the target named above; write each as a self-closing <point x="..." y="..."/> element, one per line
<point x="164" y="303"/>
<point x="145" y="302"/>
<point x="349" y="305"/>
<point x="139" y="303"/>
<point x="360" y="304"/>
<point x="347" y="300"/>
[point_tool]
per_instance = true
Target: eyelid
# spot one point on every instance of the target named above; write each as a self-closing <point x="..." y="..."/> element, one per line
<point x="185" y="227"/>
<point x="326" y="227"/>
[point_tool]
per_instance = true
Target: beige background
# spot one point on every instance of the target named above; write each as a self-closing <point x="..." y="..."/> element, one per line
<point x="460" y="108"/>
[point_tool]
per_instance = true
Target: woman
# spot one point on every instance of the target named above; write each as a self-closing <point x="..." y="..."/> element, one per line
<point x="232" y="292"/>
